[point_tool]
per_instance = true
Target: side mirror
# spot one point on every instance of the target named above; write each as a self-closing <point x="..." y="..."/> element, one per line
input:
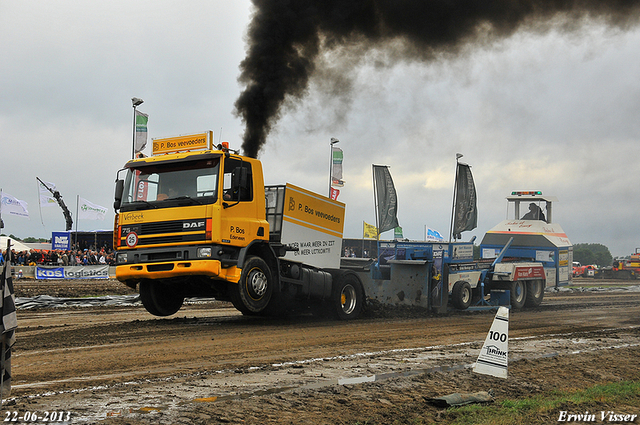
<point x="240" y="178"/>
<point x="118" y="195"/>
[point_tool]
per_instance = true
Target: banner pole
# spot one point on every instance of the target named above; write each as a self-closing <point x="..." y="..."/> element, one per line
<point x="375" y="202"/>
<point x="75" y="237"/>
<point x="333" y="142"/>
<point x="3" y="280"/>
<point x="455" y="186"/>
<point x="40" y="204"/>
<point x="362" y="252"/>
<point x="135" y="102"/>
<point x="133" y="143"/>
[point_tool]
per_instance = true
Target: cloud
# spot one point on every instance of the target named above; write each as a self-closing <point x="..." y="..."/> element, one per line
<point x="553" y="111"/>
<point x="535" y="112"/>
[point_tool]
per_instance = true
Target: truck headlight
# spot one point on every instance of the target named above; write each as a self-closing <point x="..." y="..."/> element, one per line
<point x="204" y="252"/>
<point x="121" y="258"/>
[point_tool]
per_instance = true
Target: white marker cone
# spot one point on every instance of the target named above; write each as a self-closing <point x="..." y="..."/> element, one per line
<point x="494" y="356"/>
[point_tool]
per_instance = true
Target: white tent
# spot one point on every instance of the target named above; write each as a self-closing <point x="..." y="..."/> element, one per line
<point x="17" y="245"/>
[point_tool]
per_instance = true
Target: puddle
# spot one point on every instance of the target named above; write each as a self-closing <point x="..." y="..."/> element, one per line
<point x="328" y="383"/>
<point x="383" y="376"/>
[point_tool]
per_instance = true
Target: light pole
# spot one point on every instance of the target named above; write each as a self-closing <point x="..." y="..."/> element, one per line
<point x="136" y="102"/>
<point x="333" y="142"/>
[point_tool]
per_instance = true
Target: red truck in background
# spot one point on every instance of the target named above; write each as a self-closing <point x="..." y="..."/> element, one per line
<point x="622" y="268"/>
<point x="584" y="271"/>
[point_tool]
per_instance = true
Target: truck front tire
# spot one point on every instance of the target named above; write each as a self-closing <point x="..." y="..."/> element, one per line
<point x="160" y="299"/>
<point x="255" y="287"/>
<point x="347" y="297"/>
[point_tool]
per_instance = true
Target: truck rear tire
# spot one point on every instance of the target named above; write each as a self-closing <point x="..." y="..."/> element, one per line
<point x="159" y="298"/>
<point x="518" y="293"/>
<point x="347" y="297"/>
<point x="535" y="293"/>
<point x="461" y="295"/>
<point x="255" y="286"/>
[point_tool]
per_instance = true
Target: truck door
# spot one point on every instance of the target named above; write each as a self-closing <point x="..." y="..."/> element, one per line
<point x="240" y="213"/>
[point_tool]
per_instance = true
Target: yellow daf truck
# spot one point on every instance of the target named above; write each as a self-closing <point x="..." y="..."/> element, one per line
<point x="195" y="220"/>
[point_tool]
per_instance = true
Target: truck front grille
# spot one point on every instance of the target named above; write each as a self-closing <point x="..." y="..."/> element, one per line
<point x="165" y="233"/>
<point x="166" y="227"/>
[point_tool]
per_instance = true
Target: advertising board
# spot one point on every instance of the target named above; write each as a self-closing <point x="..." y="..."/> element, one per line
<point x="313" y="224"/>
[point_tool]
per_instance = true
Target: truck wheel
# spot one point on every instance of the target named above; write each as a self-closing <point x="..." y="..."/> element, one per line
<point x="535" y="293"/>
<point x="347" y="297"/>
<point x="461" y="295"/>
<point x="518" y="291"/>
<point x="159" y="298"/>
<point x="234" y="295"/>
<point x="255" y="286"/>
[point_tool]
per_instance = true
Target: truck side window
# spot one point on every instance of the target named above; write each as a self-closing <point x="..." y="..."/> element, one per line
<point x="146" y="187"/>
<point x="231" y="166"/>
<point x="205" y="185"/>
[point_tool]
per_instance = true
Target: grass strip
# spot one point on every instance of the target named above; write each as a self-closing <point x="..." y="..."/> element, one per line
<point x="545" y="408"/>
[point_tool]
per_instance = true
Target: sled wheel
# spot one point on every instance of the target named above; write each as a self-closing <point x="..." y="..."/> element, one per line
<point x="518" y="290"/>
<point x="255" y="286"/>
<point x="461" y="295"/>
<point x="347" y="297"/>
<point x="535" y="293"/>
<point x="160" y="299"/>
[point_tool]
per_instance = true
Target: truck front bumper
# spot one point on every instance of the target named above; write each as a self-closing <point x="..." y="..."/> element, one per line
<point x="175" y="269"/>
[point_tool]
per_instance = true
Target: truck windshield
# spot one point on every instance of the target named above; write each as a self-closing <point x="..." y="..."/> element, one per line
<point x="171" y="184"/>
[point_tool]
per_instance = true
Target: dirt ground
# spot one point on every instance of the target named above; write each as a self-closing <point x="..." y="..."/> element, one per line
<point x="70" y="288"/>
<point x="209" y="364"/>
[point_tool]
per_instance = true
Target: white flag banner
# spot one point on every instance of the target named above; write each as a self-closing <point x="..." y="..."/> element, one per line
<point x="336" y="169"/>
<point x="46" y="199"/>
<point x="90" y="211"/>
<point x="13" y="206"/>
<point x="432" y="235"/>
<point x="141" y="131"/>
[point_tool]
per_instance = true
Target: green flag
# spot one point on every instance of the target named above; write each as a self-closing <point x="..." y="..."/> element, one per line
<point x="141" y="131"/>
<point x="386" y="198"/>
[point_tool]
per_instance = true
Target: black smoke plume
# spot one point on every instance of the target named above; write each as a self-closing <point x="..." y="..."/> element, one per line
<point x="285" y="38"/>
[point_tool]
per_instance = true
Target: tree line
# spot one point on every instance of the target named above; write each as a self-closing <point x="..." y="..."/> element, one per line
<point x="584" y="253"/>
<point x="592" y="253"/>
<point x="29" y="239"/>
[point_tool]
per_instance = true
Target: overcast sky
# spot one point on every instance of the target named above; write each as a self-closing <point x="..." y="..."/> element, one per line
<point x="557" y="112"/>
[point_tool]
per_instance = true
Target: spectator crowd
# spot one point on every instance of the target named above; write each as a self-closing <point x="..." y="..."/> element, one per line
<point x="41" y="257"/>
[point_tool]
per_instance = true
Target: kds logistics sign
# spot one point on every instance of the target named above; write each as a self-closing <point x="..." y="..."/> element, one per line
<point x="73" y="272"/>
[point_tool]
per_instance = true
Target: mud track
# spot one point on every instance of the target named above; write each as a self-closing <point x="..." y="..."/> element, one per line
<point x="210" y="364"/>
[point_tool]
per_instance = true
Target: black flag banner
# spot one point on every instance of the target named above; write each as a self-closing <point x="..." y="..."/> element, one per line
<point x="466" y="210"/>
<point x="386" y="198"/>
<point x="9" y="324"/>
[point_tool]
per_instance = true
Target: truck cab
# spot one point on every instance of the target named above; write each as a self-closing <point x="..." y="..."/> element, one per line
<point x="187" y="217"/>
